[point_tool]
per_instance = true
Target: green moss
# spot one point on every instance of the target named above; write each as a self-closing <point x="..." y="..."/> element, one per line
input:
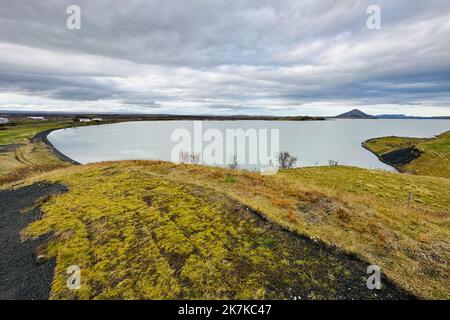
<point x="230" y="179"/>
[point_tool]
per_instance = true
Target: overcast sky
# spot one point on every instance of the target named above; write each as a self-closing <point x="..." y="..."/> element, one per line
<point x="277" y="57"/>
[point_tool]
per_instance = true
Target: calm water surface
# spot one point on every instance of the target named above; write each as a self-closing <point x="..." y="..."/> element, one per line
<point x="313" y="142"/>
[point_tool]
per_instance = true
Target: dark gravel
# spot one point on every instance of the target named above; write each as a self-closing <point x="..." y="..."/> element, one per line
<point x="401" y="156"/>
<point x="9" y="147"/>
<point x="21" y="277"/>
<point x="42" y="137"/>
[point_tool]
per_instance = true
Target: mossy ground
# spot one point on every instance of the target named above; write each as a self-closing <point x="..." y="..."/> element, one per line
<point x="434" y="159"/>
<point x="119" y="215"/>
<point x="139" y="236"/>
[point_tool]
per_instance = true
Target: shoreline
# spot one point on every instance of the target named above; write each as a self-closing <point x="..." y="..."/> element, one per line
<point x="42" y="137"/>
<point x="363" y="144"/>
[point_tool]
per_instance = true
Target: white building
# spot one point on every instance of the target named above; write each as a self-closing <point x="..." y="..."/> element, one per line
<point x="89" y="120"/>
<point x="35" y="118"/>
<point x="3" y="120"/>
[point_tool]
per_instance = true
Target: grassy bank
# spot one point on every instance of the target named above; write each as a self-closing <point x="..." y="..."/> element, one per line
<point x="155" y="218"/>
<point x="429" y="157"/>
<point x="22" y="156"/>
<point x="21" y="131"/>
<point x="19" y="156"/>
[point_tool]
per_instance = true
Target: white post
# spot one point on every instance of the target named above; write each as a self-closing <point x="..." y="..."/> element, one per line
<point x="410" y="199"/>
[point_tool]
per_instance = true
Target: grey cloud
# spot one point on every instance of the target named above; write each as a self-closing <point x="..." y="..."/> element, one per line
<point x="66" y="88"/>
<point x="227" y="55"/>
<point x="146" y="103"/>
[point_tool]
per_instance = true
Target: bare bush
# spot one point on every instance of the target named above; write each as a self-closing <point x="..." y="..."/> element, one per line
<point x="189" y="157"/>
<point x="286" y="160"/>
<point x="183" y="157"/>
<point x="195" y="158"/>
<point x="234" y="163"/>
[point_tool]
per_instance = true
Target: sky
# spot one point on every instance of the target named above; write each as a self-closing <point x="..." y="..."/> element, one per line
<point x="271" y="57"/>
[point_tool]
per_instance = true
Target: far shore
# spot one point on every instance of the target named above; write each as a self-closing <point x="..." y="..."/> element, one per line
<point x="162" y="117"/>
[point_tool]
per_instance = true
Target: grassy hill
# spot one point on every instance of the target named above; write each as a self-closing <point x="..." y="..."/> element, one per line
<point x="139" y="228"/>
<point x="420" y="156"/>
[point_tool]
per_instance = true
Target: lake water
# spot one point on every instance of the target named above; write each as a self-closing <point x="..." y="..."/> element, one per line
<point x="312" y="142"/>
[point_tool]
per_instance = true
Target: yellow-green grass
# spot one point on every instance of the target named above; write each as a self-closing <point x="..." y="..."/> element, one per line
<point x="101" y="224"/>
<point x="19" y="156"/>
<point x="434" y="159"/>
<point x="26" y="160"/>
<point x="138" y="235"/>
<point x="22" y="131"/>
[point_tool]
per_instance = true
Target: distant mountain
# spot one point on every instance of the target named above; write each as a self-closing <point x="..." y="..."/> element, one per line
<point x="402" y="116"/>
<point x="355" y="114"/>
<point x="392" y="116"/>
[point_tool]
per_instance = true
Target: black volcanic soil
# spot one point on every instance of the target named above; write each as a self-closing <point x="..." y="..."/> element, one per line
<point x="21" y="277"/>
<point x="401" y="156"/>
<point x="42" y="137"/>
<point x="9" y="147"/>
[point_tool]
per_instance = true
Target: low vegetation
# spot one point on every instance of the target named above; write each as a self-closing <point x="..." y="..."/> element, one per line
<point x="19" y="156"/>
<point x="286" y="160"/>
<point x="137" y="235"/>
<point x="22" y="156"/>
<point x="422" y="156"/>
<point x="358" y="211"/>
<point x="27" y="159"/>
<point x="22" y="131"/>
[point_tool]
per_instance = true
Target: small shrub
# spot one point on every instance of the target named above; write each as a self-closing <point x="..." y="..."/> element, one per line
<point x="266" y="241"/>
<point x="195" y="158"/>
<point x="234" y="163"/>
<point x="286" y="160"/>
<point x="183" y="157"/>
<point x="230" y="179"/>
<point x="291" y="216"/>
<point x="189" y="157"/>
<point x="280" y="202"/>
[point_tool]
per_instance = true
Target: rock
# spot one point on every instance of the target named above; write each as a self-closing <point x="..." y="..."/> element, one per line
<point x="40" y="259"/>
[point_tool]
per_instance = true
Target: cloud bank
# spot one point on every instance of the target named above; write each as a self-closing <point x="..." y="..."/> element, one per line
<point x="281" y="57"/>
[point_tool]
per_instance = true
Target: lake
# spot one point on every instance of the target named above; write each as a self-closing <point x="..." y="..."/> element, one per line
<point x="312" y="142"/>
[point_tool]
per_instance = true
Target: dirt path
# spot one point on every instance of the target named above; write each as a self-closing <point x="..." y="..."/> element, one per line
<point x="9" y="147"/>
<point x="21" y="277"/>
